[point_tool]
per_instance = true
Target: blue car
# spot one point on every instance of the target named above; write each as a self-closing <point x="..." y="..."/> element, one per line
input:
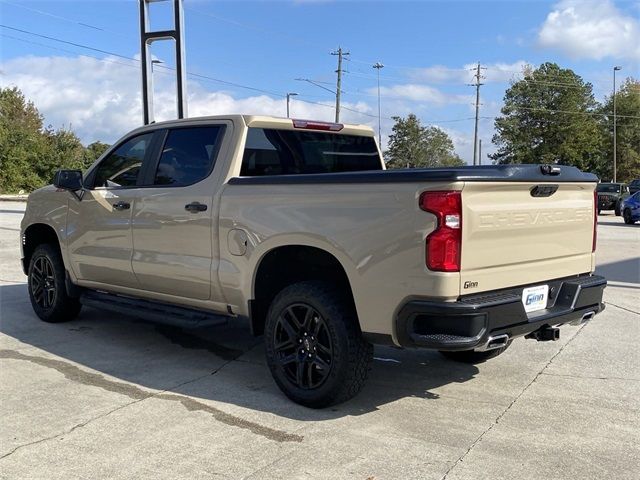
<point x="631" y="208"/>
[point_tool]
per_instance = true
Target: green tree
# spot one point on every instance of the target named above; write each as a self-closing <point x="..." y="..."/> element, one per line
<point x="411" y="145"/>
<point x="21" y="142"/>
<point x="93" y="152"/>
<point x="628" y="132"/>
<point x="549" y="117"/>
<point x="29" y="153"/>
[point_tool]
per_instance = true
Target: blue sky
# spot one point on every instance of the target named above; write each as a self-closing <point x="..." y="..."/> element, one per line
<point x="427" y="48"/>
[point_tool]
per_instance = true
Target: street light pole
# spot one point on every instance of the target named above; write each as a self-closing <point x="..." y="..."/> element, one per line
<point x="615" y="167"/>
<point x="378" y="66"/>
<point x="289" y="95"/>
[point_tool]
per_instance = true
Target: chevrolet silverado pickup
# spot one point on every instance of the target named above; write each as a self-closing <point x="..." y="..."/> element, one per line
<point x="296" y="228"/>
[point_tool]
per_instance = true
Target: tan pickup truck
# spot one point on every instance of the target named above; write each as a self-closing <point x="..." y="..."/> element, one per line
<point x="296" y="227"/>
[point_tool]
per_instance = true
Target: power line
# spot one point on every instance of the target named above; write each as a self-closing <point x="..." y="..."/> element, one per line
<point x="79" y="45"/>
<point x="66" y="19"/>
<point x="574" y="112"/>
<point x="163" y="67"/>
<point x="106" y="60"/>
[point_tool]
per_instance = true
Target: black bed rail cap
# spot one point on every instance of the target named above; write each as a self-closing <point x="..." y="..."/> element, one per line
<point x="483" y="173"/>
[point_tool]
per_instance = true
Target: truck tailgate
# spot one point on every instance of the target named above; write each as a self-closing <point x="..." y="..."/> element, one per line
<point x="512" y="237"/>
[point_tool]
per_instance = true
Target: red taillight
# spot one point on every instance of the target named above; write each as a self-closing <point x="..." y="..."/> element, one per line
<point x="595" y="221"/>
<point x="309" y="125"/>
<point x="444" y="244"/>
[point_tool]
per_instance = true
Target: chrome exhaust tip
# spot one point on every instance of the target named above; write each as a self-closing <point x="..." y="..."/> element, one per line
<point x="493" y="343"/>
<point x="585" y="318"/>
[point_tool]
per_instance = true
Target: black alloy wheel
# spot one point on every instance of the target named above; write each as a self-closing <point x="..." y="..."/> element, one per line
<point x="303" y="346"/>
<point x="314" y="346"/>
<point x="46" y="285"/>
<point x="43" y="283"/>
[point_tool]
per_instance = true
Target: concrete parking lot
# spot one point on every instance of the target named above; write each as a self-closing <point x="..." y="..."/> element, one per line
<point x="112" y="397"/>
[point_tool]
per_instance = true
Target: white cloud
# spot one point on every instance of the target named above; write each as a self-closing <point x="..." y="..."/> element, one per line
<point x="101" y="100"/>
<point x="592" y="29"/>
<point x="419" y="93"/>
<point x="492" y="72"/>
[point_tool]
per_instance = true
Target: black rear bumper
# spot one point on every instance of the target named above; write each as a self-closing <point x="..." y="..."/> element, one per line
<point x="471" y="321"/>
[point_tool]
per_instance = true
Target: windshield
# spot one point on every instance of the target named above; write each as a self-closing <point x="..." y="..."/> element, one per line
<point x="608" y="187"/>
<point x="289" y="152"/>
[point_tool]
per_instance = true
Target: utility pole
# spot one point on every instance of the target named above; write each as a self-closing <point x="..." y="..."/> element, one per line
<point x="378" y="66"/>
<point x="340" y="54"/>
<point x="615" y="69"/>
<point x="289" y="95"/>
<point x="478" y="77"/>
<point x="480" y="152"/>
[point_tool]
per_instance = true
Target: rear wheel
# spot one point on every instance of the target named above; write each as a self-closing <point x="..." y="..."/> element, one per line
<point x="46" y="286"/>
<point x="470" y="356"/>
<point x="314" y="346"/>
<point x="627" y="216"/>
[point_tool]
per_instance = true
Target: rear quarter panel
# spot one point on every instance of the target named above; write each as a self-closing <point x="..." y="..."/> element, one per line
<point x="377" y="232"/>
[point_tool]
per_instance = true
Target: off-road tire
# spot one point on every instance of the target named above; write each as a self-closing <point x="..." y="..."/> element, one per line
<point x="350" y="358"/>
<point x="469" y="356"/>
<point x="616" y="210"/>
<point x="46" y="285"/>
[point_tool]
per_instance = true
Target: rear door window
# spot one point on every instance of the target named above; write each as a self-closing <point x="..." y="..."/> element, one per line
<point x="188" y="155"/>
<point x="290" y="152"/>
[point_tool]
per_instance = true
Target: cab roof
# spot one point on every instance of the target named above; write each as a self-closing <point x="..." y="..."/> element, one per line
<point x="265" y="121"/>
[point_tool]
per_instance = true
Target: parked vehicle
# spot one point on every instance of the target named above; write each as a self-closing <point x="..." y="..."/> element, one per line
<point x="296" y="227"/>
<point x="631" y="209"/>
<point x="610" y="196"/>
<point x="634" y="186"/>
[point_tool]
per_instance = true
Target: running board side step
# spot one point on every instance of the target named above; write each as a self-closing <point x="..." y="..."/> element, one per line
<point x="155" y="312"/>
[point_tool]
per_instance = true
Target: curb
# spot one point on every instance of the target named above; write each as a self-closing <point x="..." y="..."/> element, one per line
<point x="13" y="198"/>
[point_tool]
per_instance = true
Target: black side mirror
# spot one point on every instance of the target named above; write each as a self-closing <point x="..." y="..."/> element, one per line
<point x="68" y="180"/>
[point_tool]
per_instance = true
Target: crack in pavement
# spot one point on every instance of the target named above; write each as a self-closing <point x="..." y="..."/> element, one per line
<point x="75" y="374"/>
<point x="590" y="377"/>
<point x="68" y="431"/>
<point x="499" y="417"/>
<point x="622" y="308"/>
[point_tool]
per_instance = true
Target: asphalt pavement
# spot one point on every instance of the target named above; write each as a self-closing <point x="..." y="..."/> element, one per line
<point x="111" y="397"/>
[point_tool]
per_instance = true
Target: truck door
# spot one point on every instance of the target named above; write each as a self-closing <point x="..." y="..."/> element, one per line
<point x="174" y="222"/>
<point x="99" y="225"/>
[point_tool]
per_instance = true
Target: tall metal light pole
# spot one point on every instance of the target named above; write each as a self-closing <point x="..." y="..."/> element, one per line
<point x="615" y="167"/>
<point x="289" y="95"/>
<point x="378" y="66"/>
<point x="147" y="37"/>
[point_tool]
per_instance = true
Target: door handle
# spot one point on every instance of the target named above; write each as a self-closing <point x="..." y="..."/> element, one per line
<point x="122" y="206"/>
<point x="195" y="207"/>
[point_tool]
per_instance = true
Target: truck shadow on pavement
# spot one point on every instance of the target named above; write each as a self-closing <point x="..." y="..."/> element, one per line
<point x="621" y="271"/>
<point x="220" y="364"/>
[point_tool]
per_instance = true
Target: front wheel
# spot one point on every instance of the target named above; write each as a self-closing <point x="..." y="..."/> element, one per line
<point x="46" y="286"/>
<point x="627" y="216"/>
<point x="314" y="346"/>
<point x="470" y="356"/>
<point x="616" y="210"/>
